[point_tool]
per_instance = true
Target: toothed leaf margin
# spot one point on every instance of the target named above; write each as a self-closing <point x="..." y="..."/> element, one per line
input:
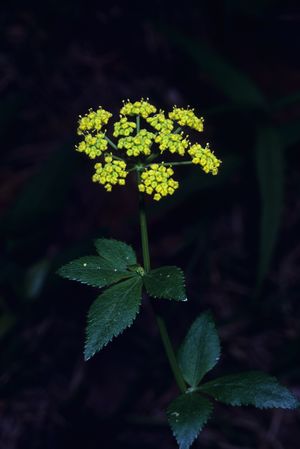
<point x="119" y="254"/>
<point x="200" y="350"/>
<point x="187" y="415"/>
<point x="94" y="271"/>
<point x="252" y="388"/>
<point x="166" y="282"/>
<point x="111" y="313"/>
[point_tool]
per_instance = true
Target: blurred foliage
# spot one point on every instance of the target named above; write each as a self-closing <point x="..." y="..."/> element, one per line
<point x="268" y="148"/>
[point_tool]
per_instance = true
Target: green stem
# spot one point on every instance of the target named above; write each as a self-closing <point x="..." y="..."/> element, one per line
<point x="111" y="143"/>
<point x="170" y="354"/>
<point x="160" y="322"/>
<point x="144" y="234"/>
<point x="173" y="163"/>
<point x="177" y="130"/>
<point x="138" y="124"/>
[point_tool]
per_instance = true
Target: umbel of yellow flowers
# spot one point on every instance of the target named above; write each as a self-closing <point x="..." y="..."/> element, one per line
<point x="148" y="148"/>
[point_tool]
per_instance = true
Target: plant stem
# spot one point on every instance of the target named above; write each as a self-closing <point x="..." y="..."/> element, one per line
<point x="173" y="163"/>
<point x="170" y="353"/>
<point x="111" y="143"/>
<point x="177" y="130"/>
<point x="144" y="234"/>
<point x="160" y="322"/>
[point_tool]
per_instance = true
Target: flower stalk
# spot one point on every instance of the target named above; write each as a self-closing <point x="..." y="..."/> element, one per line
<point x="169" y="350"/>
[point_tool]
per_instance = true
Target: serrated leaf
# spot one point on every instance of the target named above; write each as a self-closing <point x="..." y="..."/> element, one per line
<point x="94" y="271"/>
<point x="119" y="254"/>
<point x="166" y="282"/>
<point x="200" y="349"/>
<point x="270" y="162"/>
<point x="111" y="313"/>
<point x="252" y="388"/>
<point x="187" y="416"/>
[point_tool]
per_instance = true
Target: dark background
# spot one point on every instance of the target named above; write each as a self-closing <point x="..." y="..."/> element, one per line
<point x="235" y="235"/>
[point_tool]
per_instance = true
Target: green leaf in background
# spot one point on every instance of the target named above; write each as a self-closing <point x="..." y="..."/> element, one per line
<point x="252" y="388"/>
<point x="286" y="101"/>
<point x="44" y="194"/>
<point x="232" y="82"/>
<point x="200" y="349"/>
<point x="187" y="415"/>
<point x="270" y="162"/>
<point x="94" y="271"/>
<point x="111" y="313"/>
<point x="166" y="282"/>
<point x="289" y="133"/>
<point x="119" y="254"/>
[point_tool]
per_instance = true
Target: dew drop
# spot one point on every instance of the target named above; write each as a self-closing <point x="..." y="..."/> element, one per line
<point x="85" y="264"/>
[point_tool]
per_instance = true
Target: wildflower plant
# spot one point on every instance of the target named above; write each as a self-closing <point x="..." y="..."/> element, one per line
<point x="149" y="143"/>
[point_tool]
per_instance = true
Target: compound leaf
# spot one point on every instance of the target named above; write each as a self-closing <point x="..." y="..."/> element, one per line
<point x="111" y="313"/>
<point x="252" y="388"/>
<point x="166" y="282"/>
<point x="94" y="271"/>
<point x="187" y="416"/>
<point x="119" y="254"/>
<point x="200" y="349"/>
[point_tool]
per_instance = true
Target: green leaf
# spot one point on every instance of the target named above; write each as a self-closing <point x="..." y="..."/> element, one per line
<point x="166" y="282"/>
<point x="289" y="133"/>
<point x="94" y="271"/>
<point x="252" y="388"/>
<point x="270" y="161"/>
<point x="286" y="101"/>
<point x="44" y="194"/>
<point x="111" y="313"/>
<point x="118" y="253"/>
<point x="200" y="349"/>
<point x="187" y="415"/>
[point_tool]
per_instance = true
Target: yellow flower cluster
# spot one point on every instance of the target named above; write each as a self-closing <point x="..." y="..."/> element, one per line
<point x="204" y="157"/>
<point x="93" y="146"/>
<point x="158" y="181"/>
<point x="111" y="173"/>
<point x="142" y="108"/>
<point x="139" y="144"/>
<point x="160" y="122"/>
<point x="175" y="143"/>
<point x="136" y="141"/>
<point x="123" y="127"/>
<point x="93" y="120"/>
<point x="187" y="117"/>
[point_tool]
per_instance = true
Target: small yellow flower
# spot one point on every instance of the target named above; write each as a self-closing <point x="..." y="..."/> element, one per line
<point x="93" y="120"/>
<point x="111" y="173"/>
<point x="160" y="122"/>
<point x="139" y="144"/>
<point x="204" y="157"/>
<point x="123" y="127"/>
<point x="175" y="143"/>
<point x="157" y="181"/>
<point x="93" y="146"/>
<point x="187" y="117"/>
<point x="142" y="108"/>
